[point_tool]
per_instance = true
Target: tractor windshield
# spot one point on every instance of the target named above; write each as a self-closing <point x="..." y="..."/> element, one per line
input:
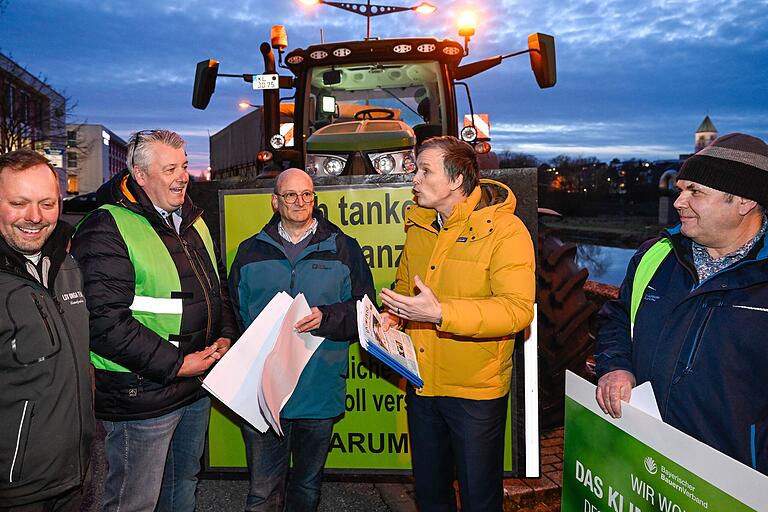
<point x="411" y="92"/>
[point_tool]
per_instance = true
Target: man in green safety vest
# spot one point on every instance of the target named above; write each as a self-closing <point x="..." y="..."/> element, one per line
<point x="160" y="317"/>
<point x="692" y="312"/>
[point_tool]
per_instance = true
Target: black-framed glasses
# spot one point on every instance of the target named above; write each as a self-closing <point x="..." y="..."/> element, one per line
<point x="291" y="197"/>
<point x="137" y="140"/>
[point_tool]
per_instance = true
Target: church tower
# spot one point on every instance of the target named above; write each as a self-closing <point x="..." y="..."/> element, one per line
<point x="705" y="134"/>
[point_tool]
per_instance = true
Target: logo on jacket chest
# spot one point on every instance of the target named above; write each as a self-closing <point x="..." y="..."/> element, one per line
<point x="320" y="266"/>
<point x="73" y="298"/>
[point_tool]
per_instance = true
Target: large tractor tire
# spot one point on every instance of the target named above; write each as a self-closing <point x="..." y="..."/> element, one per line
<point x="564" y="314"/>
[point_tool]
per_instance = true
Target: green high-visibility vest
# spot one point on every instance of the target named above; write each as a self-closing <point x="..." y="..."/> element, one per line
<point x="649" y="264"/>
<point x="156" y="277"/>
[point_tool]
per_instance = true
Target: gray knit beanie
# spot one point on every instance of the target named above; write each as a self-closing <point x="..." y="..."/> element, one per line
<point x="735" y="163"/>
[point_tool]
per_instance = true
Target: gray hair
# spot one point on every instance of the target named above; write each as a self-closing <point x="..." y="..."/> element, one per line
<point x="140" y="143"/>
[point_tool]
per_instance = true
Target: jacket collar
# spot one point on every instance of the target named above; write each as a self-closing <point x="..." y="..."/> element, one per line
<point x="479" y="207"/>
<point x="735" y="276"/>
<point x="323" y="239"/>
<point x="122" y="190"/>
<point x="55" y="249"/>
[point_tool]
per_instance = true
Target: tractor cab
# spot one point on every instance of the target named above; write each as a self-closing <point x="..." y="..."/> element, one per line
<point x="362" y="106"/>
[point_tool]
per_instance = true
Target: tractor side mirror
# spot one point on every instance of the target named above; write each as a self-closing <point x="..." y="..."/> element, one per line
<point x="542" y="53"/>
<point x="205" y="83"/>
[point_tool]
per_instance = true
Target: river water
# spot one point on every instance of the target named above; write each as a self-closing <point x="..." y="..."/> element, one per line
<point x="605" y="264"/>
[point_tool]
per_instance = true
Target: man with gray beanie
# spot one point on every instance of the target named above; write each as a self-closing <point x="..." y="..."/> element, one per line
<point x="692" y="311"/>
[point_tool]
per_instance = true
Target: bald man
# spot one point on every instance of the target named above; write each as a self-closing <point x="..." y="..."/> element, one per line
<point x="299" y="251"/>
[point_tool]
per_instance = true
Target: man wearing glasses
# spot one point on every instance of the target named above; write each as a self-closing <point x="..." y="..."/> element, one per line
<point x="299" y="251"/>
<point x="159" y="319"/>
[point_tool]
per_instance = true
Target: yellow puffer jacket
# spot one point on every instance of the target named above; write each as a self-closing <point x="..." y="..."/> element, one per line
<point x="481" y="267"/>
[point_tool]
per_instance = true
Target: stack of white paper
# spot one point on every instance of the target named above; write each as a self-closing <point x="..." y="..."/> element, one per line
<point x="258" y="375"/>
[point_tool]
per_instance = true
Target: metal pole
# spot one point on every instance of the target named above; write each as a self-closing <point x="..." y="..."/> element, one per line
<point x="368" y="19"/>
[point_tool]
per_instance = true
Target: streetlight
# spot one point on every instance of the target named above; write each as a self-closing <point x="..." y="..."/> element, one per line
<point x="467" y="27"/>
<point x="244" y="105"/>
<point x="369" y="10"/>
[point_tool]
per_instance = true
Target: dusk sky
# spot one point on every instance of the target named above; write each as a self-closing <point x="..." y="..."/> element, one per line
<point x="635" y="78"/>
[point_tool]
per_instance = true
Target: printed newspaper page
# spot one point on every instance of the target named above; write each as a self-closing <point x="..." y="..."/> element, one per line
<point x="393" y="347"/>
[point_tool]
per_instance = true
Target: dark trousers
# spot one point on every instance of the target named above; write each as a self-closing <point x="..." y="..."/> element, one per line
<point x="462" y="439"/>
<point x="272" y="487"/>
<point x="66" y="502"/>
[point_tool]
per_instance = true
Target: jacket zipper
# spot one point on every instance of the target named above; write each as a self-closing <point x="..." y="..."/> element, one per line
<point x="77" y="379"/>
<point x="697" y="341"/>
<point x="44" y="315"/>
<point x="202" y="285"/>
<point x="18" y="440"/>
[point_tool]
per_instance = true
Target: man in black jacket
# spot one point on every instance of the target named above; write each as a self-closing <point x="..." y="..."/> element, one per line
<point x="47" y="411"/>
<point x="159" y="319"/>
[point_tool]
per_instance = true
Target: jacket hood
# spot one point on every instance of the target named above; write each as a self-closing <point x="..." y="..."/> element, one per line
<point x="122" y="190"/>
<point x="488" y="198"/>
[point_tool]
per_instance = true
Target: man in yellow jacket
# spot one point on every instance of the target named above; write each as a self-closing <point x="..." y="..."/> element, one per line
<point x="464" y="287"/>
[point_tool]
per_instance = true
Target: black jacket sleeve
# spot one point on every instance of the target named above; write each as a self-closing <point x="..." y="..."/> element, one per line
<point x="340" y="319"/>
<point x="614" y="335"/>
<point x="109" y="286"/>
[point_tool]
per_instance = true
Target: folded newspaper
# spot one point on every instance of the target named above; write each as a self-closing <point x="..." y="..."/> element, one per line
<point x="394" y="348"/>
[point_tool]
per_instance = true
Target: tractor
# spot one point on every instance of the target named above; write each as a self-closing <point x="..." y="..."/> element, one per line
<point x="361" y="107"/>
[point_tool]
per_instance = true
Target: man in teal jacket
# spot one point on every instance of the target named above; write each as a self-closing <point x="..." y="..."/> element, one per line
<point x="299" y="251"/>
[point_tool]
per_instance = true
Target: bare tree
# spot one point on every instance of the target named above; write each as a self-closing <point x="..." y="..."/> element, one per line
<point x="32" y="114"/>
<point x="509" y="159"/>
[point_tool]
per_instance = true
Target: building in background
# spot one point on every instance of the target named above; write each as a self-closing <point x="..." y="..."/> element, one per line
<point x="706" y="133"/>
<point x="94" y="155"/>
<point x="32" y="115"/>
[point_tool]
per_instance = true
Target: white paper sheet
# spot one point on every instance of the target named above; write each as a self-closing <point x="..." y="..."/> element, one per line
<point x="285" y="363"/>
<point x="643" y="398"/>
<point x="236" y="378"/>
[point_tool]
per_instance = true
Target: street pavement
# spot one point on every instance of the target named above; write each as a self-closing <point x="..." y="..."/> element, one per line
<point x="366" y="494"/>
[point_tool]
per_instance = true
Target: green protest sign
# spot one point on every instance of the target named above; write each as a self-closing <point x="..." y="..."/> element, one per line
<point x="638" y="463"/>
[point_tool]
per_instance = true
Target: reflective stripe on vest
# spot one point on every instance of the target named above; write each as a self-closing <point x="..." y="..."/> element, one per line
<point x="157" y="277"/>
<point x="649" y="264"/>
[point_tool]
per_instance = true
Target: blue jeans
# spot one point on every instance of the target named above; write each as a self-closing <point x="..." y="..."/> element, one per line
<point x="271" y="487"/>
<point x="457" y="438"/>
<point x="153" y="463"/>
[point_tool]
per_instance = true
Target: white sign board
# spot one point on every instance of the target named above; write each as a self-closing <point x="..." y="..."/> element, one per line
<point x="55" y="156"/>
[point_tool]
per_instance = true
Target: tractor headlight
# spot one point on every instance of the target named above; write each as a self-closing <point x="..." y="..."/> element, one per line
<point x="325" y="165"/>
<point x="333" y="166"/>
<point x="384" y="164"/>
<point x="277" y="141"/>
<point x="394" y="162"/>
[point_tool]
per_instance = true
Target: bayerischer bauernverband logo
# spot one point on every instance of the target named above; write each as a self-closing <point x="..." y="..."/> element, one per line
<point x="650" y="465"/>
